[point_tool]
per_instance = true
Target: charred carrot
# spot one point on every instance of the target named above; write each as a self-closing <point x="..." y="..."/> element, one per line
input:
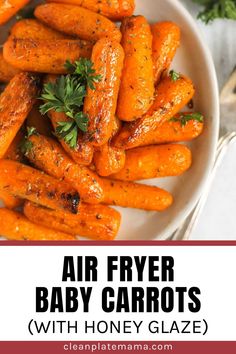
<point x="47" y="155"/>
<point x="83" y="153"/>
<point x="97" y="222"/>
<point x="134" y="195"/>
<point x="171" y="97"/>
<point x="77" y="21"/>
<point x="155" y="161"/>
<point x="16" y="101"/>
<point x="100" y="104"/>
<point x="166" y="40"/>
<point x="41" y="123"/>
<point x="31" y="28"/>
<point x="9" y="8"/>
<point x="15" y="226"/>
<point x="7" y="72"/>
<point x="115" y="9"/>
<point x="46" y="56"/>
<point x="137" y="83"/>
<point x="28" y="183"/>
<point x="173" y="131"/>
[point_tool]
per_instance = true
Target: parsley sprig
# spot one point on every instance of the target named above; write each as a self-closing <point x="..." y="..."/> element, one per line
<point x="184" y="118"/>
<point x="67" y="95"/>
<point x="214" y="9"/>
<point x="26" y="145"/>
<point x="174" y="75"/>
<point x="84" y="69"/>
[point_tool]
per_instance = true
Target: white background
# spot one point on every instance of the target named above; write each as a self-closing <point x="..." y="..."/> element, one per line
<point x="22" y="269"/>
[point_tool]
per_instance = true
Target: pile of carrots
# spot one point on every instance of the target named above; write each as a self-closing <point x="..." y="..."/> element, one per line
<point x="60" y="192"/>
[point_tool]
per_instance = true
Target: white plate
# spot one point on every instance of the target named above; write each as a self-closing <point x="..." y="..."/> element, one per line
<point x="193" y="59"/>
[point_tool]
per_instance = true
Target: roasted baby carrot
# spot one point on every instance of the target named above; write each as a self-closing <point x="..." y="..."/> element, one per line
<point x="41" y="123"/>
<point x="7" y="72"/>
<point x="31" y="28"/>
<point x="107" y="158"/>
<point x="135" y="195"/>
<point x="172" y="131"/>
<point x="15" y="226"/>
<point x="14" y="151"/>
<point x="137" y="83"/>
<point x="46" y="56"/>
<point x="16" y="101"/>
<point x="97" y="222"/>
<point x="83" y="153"/>
<point x="100" y="104"/>
<point x="155" y="161"/>
<point x="28" y="183"/>
<point x="171" y="97"/>
<point x="9" y="8"/>
<point x="47" y="155"/>
<point x="115" y="9"/>
<point x="166" y="40"/>
<point x="77" y="21"/>
<point x="9" y="201"/>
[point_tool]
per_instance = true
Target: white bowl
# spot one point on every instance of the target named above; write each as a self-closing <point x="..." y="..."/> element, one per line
<point x="193" y="59"/>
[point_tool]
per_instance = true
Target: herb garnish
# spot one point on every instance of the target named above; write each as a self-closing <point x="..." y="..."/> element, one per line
<point x="174" y="75"/>
<point x="26" y="145"/>
<point x="67" y="95"/>
<point x="214" y="9"/>
<point x="184" y="118"/>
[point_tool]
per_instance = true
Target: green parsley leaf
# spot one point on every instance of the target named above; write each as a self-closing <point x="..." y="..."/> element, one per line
<point x="184" y="118"/>
<point x="83" y="70"/>
<point x="174" y="75"/>
<point x="68" y="132"/>
<point x="214" y="9"/>
<point x="67" y="95"/>
<point x="26" y="145"/>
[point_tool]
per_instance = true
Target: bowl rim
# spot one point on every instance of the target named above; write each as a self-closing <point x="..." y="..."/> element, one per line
<point x="213" y="83"/>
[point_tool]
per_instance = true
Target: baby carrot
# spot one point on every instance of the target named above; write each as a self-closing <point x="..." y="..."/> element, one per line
<point x="9" y="201"/>
<point x="134" y="195"/>
<point x="107" y="158"/>
<point x="15" y="226"/>
<point x="97" y="222"/>
<point x="28" y="183"/>
<point x="83" y="153"/>
<point x="166" y="40"/>
<point x="155" y="161"/>
<point x="137" y="83"/>
<point x="31" y="28"/>
<point x="16" y="101"/>
<point x="9" y="8"/>
<point x="77" y="21"/>
<point x="171" y="97"/>
<point x="47" y="155"/>
<point x="100" y="104"/>
<point x="46" y="56"/>
<point x="115" y="9"/>
<point x="173" y="131"/>
<point x="7" y="72"/>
